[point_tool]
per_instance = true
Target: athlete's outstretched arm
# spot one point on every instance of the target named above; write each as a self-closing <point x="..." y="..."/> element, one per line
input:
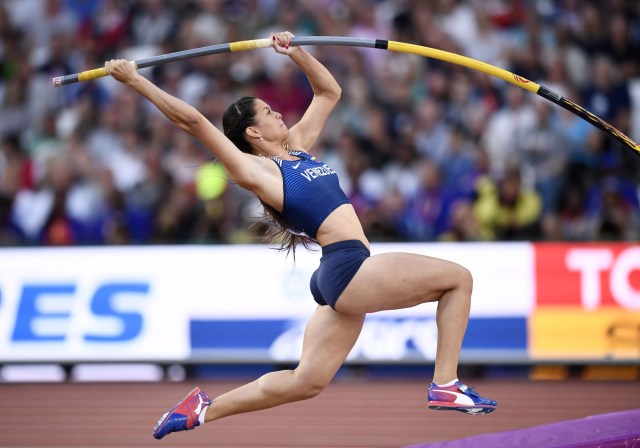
<point x="326" y="93"/>
<point x="242" y="168"/>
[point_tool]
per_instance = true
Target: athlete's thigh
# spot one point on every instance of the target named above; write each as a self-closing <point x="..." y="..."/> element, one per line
<point x="399" y="280"/>
<point x="328" y="339"/>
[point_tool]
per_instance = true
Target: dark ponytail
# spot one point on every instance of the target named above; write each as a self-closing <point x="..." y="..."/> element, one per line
<point x="236" y="119"/>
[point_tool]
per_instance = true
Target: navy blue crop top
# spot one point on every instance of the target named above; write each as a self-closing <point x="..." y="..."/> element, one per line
<point x="311" y="192"/>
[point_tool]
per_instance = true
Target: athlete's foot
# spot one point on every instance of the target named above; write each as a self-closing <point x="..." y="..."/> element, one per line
<point x="459" y="397"/>
<point x="184" y="415"/>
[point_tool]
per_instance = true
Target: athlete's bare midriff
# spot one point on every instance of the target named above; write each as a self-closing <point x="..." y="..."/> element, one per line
<point x="342" y="224"/>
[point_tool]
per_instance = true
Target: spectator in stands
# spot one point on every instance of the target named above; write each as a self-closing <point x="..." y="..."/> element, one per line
<point x="433" y="133"/>
<point x="571" y="222"/>
<point x="506" y="128"/>
<point x="543" y="154"/>
<point x="15" y="174"/>
<point x="425" y="214"/>
<point x="505" y="210"/>
<point x="613" y="203"/>
<point x="607" y="95"/>
<point x="462" y="224"/>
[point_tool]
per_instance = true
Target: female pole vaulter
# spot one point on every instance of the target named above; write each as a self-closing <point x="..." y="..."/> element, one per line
<point x="303" y="199"/>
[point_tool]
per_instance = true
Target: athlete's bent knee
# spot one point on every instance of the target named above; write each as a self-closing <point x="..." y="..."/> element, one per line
<point x="308" y="388"/>
<point x="465" y="278"/>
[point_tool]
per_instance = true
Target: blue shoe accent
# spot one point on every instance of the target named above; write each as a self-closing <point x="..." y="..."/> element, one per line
<point x="172" y="422"/>
<point x="184" y="416"/>
<point x="459" y="397"/>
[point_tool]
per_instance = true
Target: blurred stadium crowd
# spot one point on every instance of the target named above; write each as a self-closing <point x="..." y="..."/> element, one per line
<point x="426" y="150"/>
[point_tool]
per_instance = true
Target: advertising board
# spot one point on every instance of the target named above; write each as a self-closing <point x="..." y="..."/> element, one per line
<point x="250" y="304"/>
<point x="587" y="302"/>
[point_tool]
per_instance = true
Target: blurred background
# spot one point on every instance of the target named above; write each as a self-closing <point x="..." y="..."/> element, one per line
<point x="122" y="241"/>
<point x="426" y="150"/>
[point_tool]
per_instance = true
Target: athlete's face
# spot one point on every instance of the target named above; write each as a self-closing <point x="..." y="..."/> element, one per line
<point x="269" y="123"/>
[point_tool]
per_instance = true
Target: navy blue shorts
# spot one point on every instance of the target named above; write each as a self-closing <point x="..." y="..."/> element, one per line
<point x="339" y="263"/>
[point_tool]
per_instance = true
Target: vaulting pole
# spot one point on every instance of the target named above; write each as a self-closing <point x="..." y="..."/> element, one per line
<point x="379" y="44"/>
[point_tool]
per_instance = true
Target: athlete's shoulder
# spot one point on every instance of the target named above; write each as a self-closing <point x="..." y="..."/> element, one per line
<point x="302" y="154"/>
<point x="293" y="146"/>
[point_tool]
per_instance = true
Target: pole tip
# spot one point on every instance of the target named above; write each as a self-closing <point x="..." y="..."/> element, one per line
<point x="57" y="81"/>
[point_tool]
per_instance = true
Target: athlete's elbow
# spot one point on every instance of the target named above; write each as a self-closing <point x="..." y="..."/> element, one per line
<point x="332" y="91"/>
<point x="190" y="120"/>
<point x="335" y="91"/>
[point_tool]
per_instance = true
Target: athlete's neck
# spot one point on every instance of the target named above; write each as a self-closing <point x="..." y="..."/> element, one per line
<point x="279" y="156"/>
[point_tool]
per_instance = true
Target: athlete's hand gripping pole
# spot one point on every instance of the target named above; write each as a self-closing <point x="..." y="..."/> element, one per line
<point x="164" y="58"/>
